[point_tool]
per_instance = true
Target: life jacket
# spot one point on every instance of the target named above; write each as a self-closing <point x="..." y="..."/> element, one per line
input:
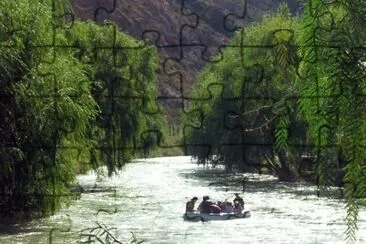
<point x="206" y="206"/>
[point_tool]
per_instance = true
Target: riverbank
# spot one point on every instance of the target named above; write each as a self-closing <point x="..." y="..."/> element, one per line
<point x="156" y="190"/>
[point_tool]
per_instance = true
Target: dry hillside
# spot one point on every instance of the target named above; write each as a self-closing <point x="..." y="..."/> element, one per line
<point x="186" y="33"/>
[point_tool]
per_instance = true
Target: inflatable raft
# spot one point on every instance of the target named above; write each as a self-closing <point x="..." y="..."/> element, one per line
<point x="196" y="216"/>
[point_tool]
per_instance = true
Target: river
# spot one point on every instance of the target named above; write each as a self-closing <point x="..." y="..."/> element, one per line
<point x="149" y="199"/>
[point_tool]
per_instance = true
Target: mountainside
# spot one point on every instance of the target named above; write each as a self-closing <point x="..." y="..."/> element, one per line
<point x="186" y="32"/>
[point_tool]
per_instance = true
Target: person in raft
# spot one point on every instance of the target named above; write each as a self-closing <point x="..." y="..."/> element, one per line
<point x="190" y="204"/>
<point x="206" y="206"/>
<point x="228" y="206"/>
<point x="237" y="207"/>
<point x="239" y="199"/>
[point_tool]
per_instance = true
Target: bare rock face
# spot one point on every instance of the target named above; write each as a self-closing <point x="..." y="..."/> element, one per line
<point x="187" y="33"/>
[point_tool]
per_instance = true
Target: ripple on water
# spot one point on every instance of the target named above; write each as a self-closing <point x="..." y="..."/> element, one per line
<point x="150" y="198"/>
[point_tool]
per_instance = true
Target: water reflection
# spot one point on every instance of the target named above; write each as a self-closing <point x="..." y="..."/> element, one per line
<point x="149" y="197"/>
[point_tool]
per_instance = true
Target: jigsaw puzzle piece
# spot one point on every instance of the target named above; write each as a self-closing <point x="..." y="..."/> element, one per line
<point x="194" y="126"/>
<point x="192" y="35"/>
<point x="329" y="160"/>
<point x="58" y="233"/>
<point x="228" y="22"/>
<point x="177" y="76"/>
<point x="97" y="10"/>
<point x="236" y="19"/>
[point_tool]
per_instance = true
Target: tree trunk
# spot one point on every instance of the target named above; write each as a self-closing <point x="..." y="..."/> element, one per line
<point x="284" y="173"/>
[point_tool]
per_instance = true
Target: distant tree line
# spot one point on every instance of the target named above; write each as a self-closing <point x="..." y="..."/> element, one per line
<point x="74" y="96"/>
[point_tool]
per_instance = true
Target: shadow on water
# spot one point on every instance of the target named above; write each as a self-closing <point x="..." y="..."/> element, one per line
<point x="257" y="183"/>
<point x="14" y="226"/>
<point x="23" y="227"/>
<point x="232" y="181"/>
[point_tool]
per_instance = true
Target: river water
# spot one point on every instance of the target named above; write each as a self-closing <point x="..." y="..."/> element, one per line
<point x="148" y="198"/>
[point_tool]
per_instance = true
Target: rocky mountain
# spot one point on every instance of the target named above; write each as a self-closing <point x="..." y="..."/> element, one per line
<point x="187" y="33"/>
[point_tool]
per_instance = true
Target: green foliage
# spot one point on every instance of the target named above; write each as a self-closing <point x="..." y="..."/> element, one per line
<point x="242" y="98"/>
<point x="123" y="72"/>
<point x="47" y="107"/>
<point x="332" y="86"/>
<point x="316" y="97"/>
<point x="66" y="109"/>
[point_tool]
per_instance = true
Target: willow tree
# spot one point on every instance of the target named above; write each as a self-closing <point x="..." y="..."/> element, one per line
<point x="124" y="86"/>
<point x="332" y="75"/>
<point x="247" y="96"/>
<point x="67" y="97"/>
<point x="45" y="106"/>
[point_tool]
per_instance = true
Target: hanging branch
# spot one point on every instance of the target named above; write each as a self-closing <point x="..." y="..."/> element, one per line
<point x="263" y="127"/>
<point x="103" y="235"/>
<point x="252" y="111"/>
